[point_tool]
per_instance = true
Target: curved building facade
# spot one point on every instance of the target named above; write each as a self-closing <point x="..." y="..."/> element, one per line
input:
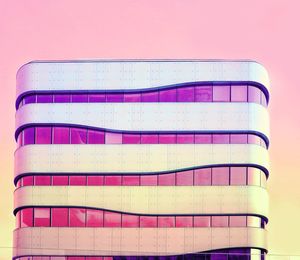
<point x="141" y="159"/>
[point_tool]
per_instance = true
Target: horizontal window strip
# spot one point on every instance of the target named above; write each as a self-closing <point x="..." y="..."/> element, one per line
<point x="79" y="135"/>
<point x="208" y="93"/>
<point x="235" y="176"/>
<point x="82" y="217"/>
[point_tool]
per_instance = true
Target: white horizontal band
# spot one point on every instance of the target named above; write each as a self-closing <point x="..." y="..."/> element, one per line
<point x="132" y="241"/>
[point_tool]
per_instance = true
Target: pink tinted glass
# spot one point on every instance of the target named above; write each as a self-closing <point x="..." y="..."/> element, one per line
<point x="60" y="180"/>
<point x="203" y="139"/>
<point x="238" y="139"/>
<point x="116" y="97"/>
<point x="78" y="180"/>
<point x="238" y="176"/>
<point x="130" y="220"/>
<point x="219" y="221"/>
<point x="166" y="179"/>
<point x="202" y="177"/>
<point x="41" y="217"/>
<point x="43" y="135"/>
<point x="182" y="221"/>
<point x="238" y="221"/>
<point x="184" y="178"/>
<point x="29" y="135"/>
<point x="60" y="217"/>
<point x="131" y="139"/>
<point x="149" y="139"/>
<point x="239" y="93"/>
<point x="150" y="97"/>
<point x="113" y="180"/>
<point x="221" y="93"/>
<point x="253" y="94"/>
<point x="61" y="135"/>
<point x="201" y="221"/>
<point x="79" y="98"/>
<point x="62" y="98"/>
<point x="134" y="97"/>
<point x="220" y="139"/>
<point x="253" y="176"/>
<point x="168" y="95"/>
<point x="42" y="180"/>
<point x="148" y="221"/>
<point x="44" y="98"/>
<point x="203" y="94"/>
<point x="166" y="221"/>
<point x="113" y="138"/>
<point x="77" y="217"/>
<point x="112" y="219"/>
<point x="96" y="137"/>
<point x="94" y="218"/>
<point x="78" y="136"/>
<point x="167" y="138"/>
<point x="27" y="181"/>
<point x="254" y="139"/>
<point x="27" y="217"/>
<point x="185" y="94"/>
<point x="220" y="176"/>
<point x="96" y="98"/>
<point x="131" y="180"/>
<point x="185" y="138"/>
<point x="149" y="180"/>
<point x="95" y="180"/>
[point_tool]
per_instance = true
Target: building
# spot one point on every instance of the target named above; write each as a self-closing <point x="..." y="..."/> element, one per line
<point x="141" y="159"/>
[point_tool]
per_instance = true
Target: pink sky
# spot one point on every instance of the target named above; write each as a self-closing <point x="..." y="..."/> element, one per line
<point x="266" y="31"/>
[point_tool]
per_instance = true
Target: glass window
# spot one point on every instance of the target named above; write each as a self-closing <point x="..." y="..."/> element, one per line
<point x="18" y="219"/>
<point x="184" y="178"/>
<point x="253" y="176"/>
<point x="42" y="217"/>
<point x="253" y="94"/>
<point x="203" y="94"/>
<point x="131" y="138"/>
<point x="149" y="139"/>
<point x="95" y="180"/>
<point x="131" y="180"/>
<point x="219" y="221"/>
<point x="183" y="221"/>
<point x="20" y="139"/>
<point x="27" y="181"/>
<point x="253" y="221"/>
<point x="62" y="98"/>
<point x="95" y="98"/>
<point x="166" y="179"/>
<point x="113" y="180"/>
<point x="44" y="98"/>
<point x="168" y="95"/>
<point x="254" y="139"/>
<point x="96" y="137"/>
<point x="185" y="94"/>
<point x="220" y="176"/>
<point x="94" y="218"/>
<point x="42" y="180"/>
<point x="29" y="135"/>
<point x="239" y="93"/>
<point x="79" y="98"/>
<point x="150" y="96"/>
<point x="113" y="138"/>
<point x="27" y="217"/>
<point x="148" y="221"/>
<point x="201" y="221"/>
<point x="263" y="179"/>
<point x="220" y="138"/>
<point x="130" y="220"/>
<point x="112" y="219"/>
<point x="115" y="97"/>
<point x="78" y="180"/>
<point x="133" y="97"/>
<point x="149" y="180"/>
<point x="238" y="138"/>
<point x="60" y="180"/>
<point x="237" y="221"/>
<point x="238" y="176"/>
<point x="60" y="217"/>
<point x="202" y="177"/>
<point x="203" y="139"/>
<point x="61" y="135"/>
<point x="77" y="217"/>
<point x="221" y="93"/>
<point x="263" y="99"/>
<point x="78" y="136"/>
<point x="164" y="221"/>
<point x="167" y="138"/>
<point x="43" y="135"/>
<point x="29" y="99"/>
<point x="185" y="138"/>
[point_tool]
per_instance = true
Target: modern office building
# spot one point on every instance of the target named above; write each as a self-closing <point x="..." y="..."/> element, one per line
<point x="141" y="159"/>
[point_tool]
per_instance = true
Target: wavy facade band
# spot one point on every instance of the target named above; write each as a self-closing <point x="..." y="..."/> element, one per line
<point x="141" y="159"/>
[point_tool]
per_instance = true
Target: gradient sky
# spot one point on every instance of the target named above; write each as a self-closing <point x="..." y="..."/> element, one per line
<point x="265" y="31"/>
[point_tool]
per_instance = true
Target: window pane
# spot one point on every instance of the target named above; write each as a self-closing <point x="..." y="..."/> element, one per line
<point x="77" y="217"/>
<point x="30" y="99"/>
<point x="112" y="219"/>
<point x="94" y="98"/>
<point x="202" y="176"/>
<point x="238" y="139"/>
<point x="131" y="180"/>
<point x="79" y="98"/>
<point x="96" y="137"/>
<point x="263" y="179"/>
<point x="166" y="221"/>
<point x="263" y="99"/>
<point x="20" y="139"/>
<point x="220" y="176"/>
<point x="253" y="221"/>
<point x="219" y="221"/>
<point x="29" y="135"/>
<point x="167" y="138"/>
<point x="78" y="180"/>
<point x="113" y="138"/>
<point x="41" y="217"/>
<point x="148" y="221"/>
<point x="221" y="93"/>
<point x="116" y="97"/>
<point x="27" y="217"/>
<point x="42" y="180"/>
<point x="166" y="179"/>
<point x="253" y="94"/>
<point x="78" y="136"/>
<point x="168" y="95"/>
<point x="95" y="180"/>
<point x="238" y="176"/>
<point x="61" y="135"/>
<point x="239" y="93"/>
<point x="182" y="221"/>
<point x="184" y="178"/>
<point x="185" y="138"/>
<point x="253" y="139"/>
<point x="238" y="221"/>
<point x="203" y="94"/>
<point x="60" y="217"/>
<point x="149" y="139"/>
<point x="44" y="98"/>
<point x="185" y="94"/>
<point x="60" y="180"/>
<point x="113" y="180"/>
<point x="27" y="181"/>
<point x="220" y="138"/>
<point x="201" y="221"/>
<point x="62" y="98"/>
<point x="94" y="218"/>
<point x="130" y="220"/>
<point x="203" y="139"/>
<point x="18" y="219"/>
<point x="131" y="138"/>
<point x="149" y="180"/>
<point x="150" y="97"/>
<point x="43" y="135"/>
<point x="253" y="176"/>
<point x="134" y="97"/>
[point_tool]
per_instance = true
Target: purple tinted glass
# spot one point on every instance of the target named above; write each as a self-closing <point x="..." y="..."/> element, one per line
<point x="166" y="179"/>
<point x="78" y="136"/>
<point x="168" y="95"/>
<point x="150" y="97"/>
<point x="94" y="98"/>
<point x="185" y="178"/>
<point x="43" y="135"/>
<point x="167" y="138"/>
<point x="253" y="139"/>
<point x="20" y="139"/>
<point x="30" y="99"/>
<point x="254" y="94"/>
<point x="239" y="93"/>
<point x="203" y="94"/>
<point x="185" y="94"/>
<point x="134" y="97"/>
<point x="220" y="139"/>
<point x="238" y="138"/>
<point x="203" y="139"/>
<point x="44" y="98"/>
<point x="263" y="100"/>
<point x="61" y="135"/>
<point x="221" y="93"/>
<point x="79" y="98"/>
<point x="131" y="139"/>
<point x="185" y="138"/>
<point x="202" y="177"/>
<point x="96" y="137"/>
<point x="116" y="97"/>
<point x="238" y="176"/>
<point x="62" y="98"/>
<point x="29" y="135"/>
<point x="149" y="139"/>
<point x="220" y="176"/>
<point x="113" y="138"/>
